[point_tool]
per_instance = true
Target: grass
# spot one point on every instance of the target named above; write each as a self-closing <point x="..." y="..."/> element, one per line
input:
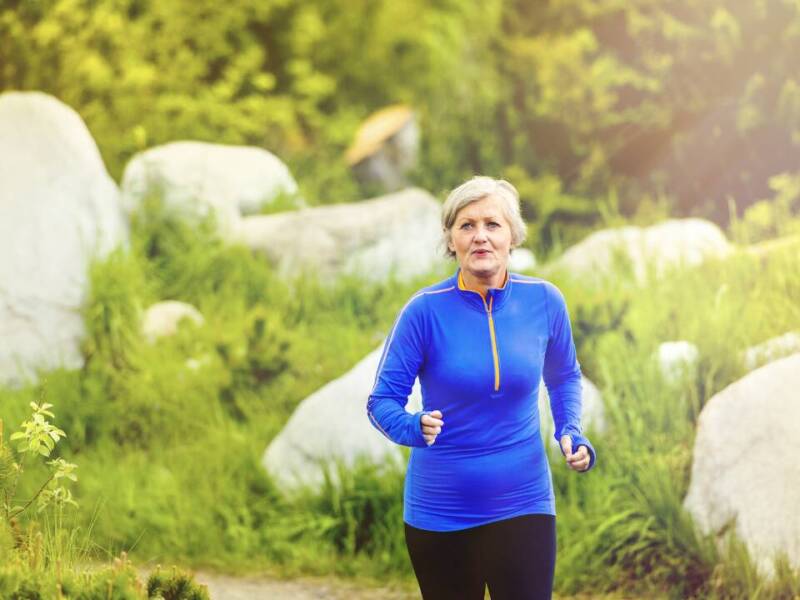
<point x="168" y="437"/>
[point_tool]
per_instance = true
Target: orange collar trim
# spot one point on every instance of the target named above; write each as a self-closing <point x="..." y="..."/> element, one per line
<point x="463" y="286"/>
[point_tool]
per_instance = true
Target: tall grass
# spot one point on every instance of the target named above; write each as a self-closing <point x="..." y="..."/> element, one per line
<point x="169" y="436"/>
<point x="624" y="526"/>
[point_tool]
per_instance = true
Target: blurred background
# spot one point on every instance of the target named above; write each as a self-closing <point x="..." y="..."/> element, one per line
<point x="210" y="214"/>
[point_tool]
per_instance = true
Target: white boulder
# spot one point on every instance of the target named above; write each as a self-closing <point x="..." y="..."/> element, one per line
<point x="331" y="425"/>
<point x="677" y="359"/>
<point x="672" y="243"/>
<point x="60" y="209"/>
<point x="745" y="472"/>
<point x="592" y="411"/>
<point x="198" y="179"/>
<point x="162" y="318"/>
<point x="521" y="260"/>
<point x="393" y="235"/>
<point x="772" y="349"/>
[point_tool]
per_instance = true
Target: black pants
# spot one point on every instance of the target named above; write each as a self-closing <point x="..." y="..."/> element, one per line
<point x="515" y="558"/>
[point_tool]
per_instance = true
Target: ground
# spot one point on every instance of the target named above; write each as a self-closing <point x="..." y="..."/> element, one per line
<point x="224" y="587"/>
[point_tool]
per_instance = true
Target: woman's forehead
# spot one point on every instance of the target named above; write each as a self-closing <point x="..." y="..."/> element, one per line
<point x="489" y="206"/>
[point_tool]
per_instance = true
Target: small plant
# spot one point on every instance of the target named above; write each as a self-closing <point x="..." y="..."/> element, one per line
<point x="175" y="586"/>
<point x="37" y="437"/>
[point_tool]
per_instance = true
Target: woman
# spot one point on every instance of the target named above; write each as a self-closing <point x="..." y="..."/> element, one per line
<point x="478" y="504"/>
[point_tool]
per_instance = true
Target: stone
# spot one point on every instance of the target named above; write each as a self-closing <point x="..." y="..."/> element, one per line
<point x="670" y="244"/>
<point x="332" y="425"/>
<point x="60" y="210"/>
<point x="394" y="235"/>
<point x="745" y="476"/>
<point x="198" y="179"/>
<point x="677" y="360"/>
<point x="592" y="411"/>
<point x="385" y="148"/>
<point x="772" y="349"/>
<point x="521" y="260"/>
<point x="162" y="318"/>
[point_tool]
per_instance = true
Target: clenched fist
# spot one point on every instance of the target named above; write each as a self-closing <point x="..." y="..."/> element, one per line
<point x="431" y="425"/>
<point x="578" y="461"/>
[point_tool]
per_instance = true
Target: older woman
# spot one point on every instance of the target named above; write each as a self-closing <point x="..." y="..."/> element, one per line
<point x="479" y="505"/>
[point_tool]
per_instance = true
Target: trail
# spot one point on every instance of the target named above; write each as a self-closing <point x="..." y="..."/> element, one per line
<point x="225" y="587"/>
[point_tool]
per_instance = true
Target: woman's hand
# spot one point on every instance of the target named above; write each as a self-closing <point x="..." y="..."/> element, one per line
<point x="431" y="426"/>
<point x="579" y="461"/>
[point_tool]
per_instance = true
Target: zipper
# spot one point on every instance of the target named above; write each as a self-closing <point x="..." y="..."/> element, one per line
<point x="492" y="335"/>
<point x="496" y="359"/>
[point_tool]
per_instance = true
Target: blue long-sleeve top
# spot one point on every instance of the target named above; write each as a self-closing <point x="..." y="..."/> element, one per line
<point x="479" y="361"/>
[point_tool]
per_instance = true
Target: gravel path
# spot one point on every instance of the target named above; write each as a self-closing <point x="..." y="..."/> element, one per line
<point x="224" y="587"/>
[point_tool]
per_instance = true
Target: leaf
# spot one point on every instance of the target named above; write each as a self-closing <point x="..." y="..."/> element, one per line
<point x="16" y="436"/>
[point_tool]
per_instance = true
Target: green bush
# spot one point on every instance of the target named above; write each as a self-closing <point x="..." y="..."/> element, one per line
<point x="119" y="581"/>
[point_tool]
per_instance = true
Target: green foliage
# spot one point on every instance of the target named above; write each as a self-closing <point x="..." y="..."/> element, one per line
<point x="175" y="586"/>
<point x="171" y="433"/>
<point x="771" y="218"/>
<point x="357" y="511"/>
<point x="37" y="437"/>
<point x="626" y="522"/>
<point x="597" y="110"/>
<point x="118" y="581"/>
<point x="572" y="98"/>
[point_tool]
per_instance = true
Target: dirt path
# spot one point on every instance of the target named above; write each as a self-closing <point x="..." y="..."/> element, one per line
<point x="224" y="587"/>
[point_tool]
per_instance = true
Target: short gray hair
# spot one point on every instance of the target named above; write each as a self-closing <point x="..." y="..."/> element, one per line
<point x="476" y="189"/>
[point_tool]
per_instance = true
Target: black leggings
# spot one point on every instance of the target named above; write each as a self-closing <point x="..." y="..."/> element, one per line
<point x="515" y="557"/>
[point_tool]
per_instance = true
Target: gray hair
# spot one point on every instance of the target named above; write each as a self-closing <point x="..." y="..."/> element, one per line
<point x="476" y="189"/>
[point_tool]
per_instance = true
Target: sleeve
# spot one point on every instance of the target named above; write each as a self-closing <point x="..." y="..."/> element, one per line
<point x="402" y="357"/>
<point x="562" y="373"/>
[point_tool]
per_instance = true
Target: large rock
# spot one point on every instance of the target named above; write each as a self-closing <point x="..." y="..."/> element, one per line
<point x="397" y="234"/>
<point x="59" y="209"/>
<point x="745" y="471"/>
<point x="162" y="318"/>
<point x="592" y="411"/>
<point x="673" y="243"/>
<point x="331" y="425"/>
<point x="197" y="178"/>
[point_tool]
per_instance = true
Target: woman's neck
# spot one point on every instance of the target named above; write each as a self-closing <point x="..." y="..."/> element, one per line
<point x="482" y="285"/>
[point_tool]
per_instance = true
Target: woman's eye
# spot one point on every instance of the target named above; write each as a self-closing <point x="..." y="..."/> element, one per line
<point x="493" y="225"/>
<point x="465" y="225"/>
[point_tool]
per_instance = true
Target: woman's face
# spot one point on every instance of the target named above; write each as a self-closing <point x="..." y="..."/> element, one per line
<point x="481" y="238"/>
